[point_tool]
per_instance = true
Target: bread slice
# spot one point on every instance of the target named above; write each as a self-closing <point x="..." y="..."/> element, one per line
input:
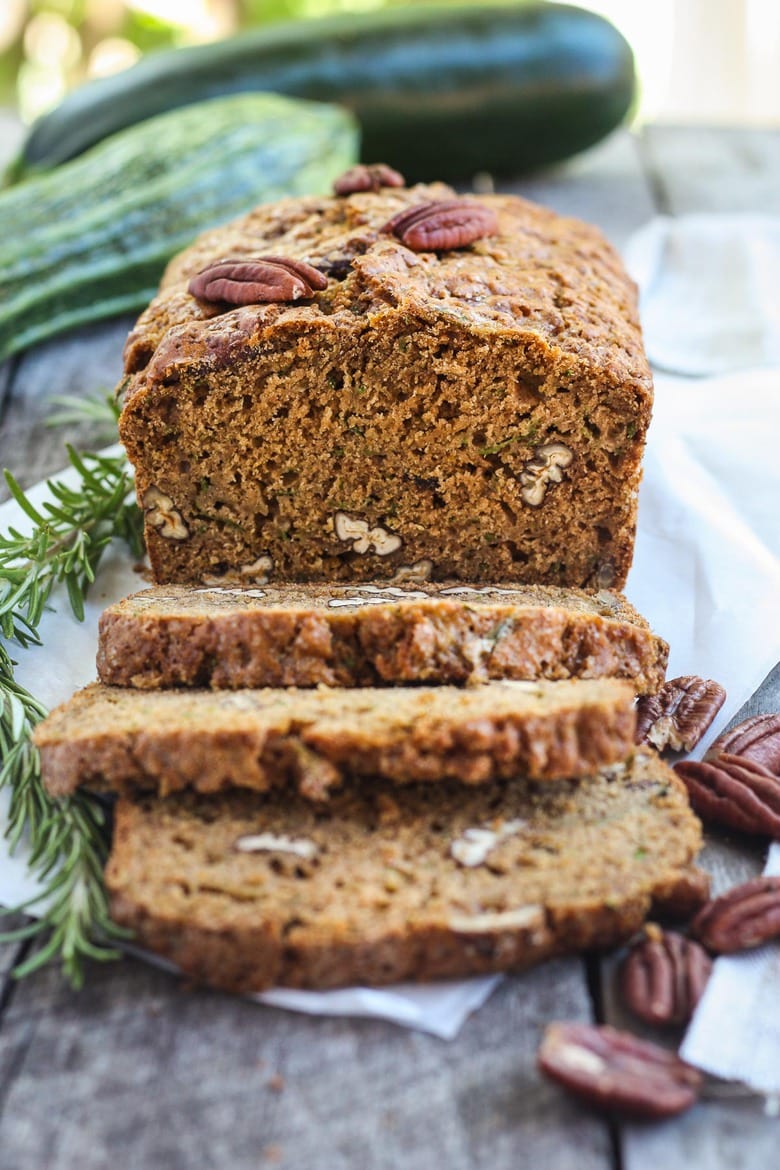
<point x="247" y="891"/>
<point x="369" y="635"/>
<point x="126" y="740"/>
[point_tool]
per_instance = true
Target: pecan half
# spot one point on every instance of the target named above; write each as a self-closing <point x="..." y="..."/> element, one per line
<point x="441" y="225"/>
<point x="679" y="714"/>
<point x="544" y="468"/>
<point x="734" y="791"/>
<point x="378" y="540"/>
<point x="747" y="916"/>
<point x="255" y="280"/>
<point x="616" y="1071"/>
<point x="161" y="514"/>
<point x="367" y="178"/>
<point x="757" y="739"/>
<point x="663" y="976"/>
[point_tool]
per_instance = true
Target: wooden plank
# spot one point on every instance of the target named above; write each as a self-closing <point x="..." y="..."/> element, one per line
<point x="140" y="1070"/>
<point x="11" y="953"/>
<point x="85" y="361"/>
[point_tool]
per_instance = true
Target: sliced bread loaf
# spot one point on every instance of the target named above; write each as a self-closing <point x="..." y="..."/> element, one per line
<point x="126" y="740"/>
<point x="248" y="891"/>
<point x="369" y="635"/>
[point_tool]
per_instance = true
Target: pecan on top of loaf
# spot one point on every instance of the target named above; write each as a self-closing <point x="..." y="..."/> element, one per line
<point x="367" y="178"/>
<point x="442" y="225"/>
<point x="251" y="280"/>
<point x="478" y="407"/>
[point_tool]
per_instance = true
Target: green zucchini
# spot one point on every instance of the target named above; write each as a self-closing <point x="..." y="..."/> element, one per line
<point x="439" y="92"/>
<point x="91" y="238"/>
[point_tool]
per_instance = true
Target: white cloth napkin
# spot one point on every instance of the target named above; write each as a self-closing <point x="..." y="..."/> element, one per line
<point x="706" y="573"/>
<point x="708" y="291"/>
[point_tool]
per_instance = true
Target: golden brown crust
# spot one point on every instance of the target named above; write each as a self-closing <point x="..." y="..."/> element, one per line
<point x="528" y="279"/>
<point x="354" y="636"/>
<point x="382" y="893"/>
<point x="418" y="396"/>
<point x="130" y="740"/>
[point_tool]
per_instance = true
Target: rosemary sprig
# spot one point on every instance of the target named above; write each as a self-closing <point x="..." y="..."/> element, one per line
<point x="70" y="534"/>
<point x="92" y="408"/>
<point x="67" y="836"/>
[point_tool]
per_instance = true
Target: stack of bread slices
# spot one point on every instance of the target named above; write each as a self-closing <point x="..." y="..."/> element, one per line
<point x="326" y="785"/>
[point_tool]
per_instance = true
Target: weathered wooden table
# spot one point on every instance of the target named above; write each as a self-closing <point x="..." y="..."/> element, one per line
<point x="137" y="1071"/>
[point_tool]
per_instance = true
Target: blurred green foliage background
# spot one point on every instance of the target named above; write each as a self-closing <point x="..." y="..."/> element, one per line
<point x="49" y="46"/>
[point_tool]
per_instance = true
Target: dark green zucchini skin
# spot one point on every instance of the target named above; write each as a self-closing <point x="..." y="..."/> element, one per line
<point x="439" y="92"/>
<point x="91" y="239"/>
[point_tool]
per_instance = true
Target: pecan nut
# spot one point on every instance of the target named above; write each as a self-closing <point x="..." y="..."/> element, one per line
<point x="255" y="280"/>
<point x="441" y="225"/>
<point x="367" y="178"/>
<point x="747" y="916"/>
<point x="161" y="514"/>
<point x="616" y="1071"/>
<point x="663" y="977"/>
<point x="378" y="540"/>
<point x="679" y="714"/>
<point x="544" y="468"/>
<point x="757" y="739"/>
<point x="734" y="791"/>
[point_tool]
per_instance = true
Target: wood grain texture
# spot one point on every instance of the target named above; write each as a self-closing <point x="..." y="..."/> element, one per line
<point x="82" y="363"/>
<point x="139" y="1073"/>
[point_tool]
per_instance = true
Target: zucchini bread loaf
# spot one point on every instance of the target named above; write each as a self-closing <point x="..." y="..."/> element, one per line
<point x="390" y="383"/>
<point x="248" y="891"/>
<point x="370" y="635"/>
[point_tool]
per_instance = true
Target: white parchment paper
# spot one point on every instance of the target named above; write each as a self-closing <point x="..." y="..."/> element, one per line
<point x="706" y="574"/>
